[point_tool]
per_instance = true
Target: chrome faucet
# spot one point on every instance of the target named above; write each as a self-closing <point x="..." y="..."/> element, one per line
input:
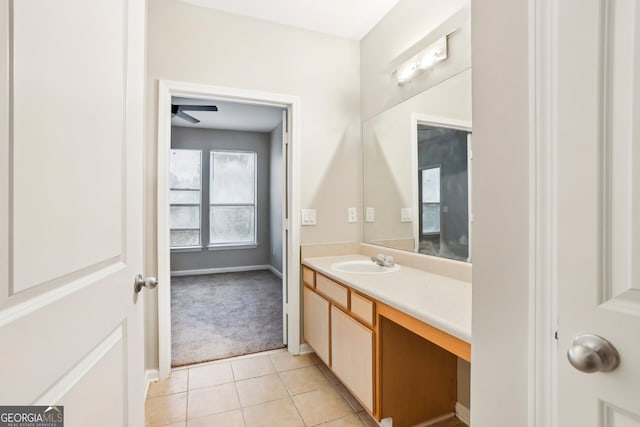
<point x="383" y="261"/>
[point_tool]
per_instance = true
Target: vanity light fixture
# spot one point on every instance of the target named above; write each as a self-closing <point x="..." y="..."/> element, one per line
<point x="435" y="52"/>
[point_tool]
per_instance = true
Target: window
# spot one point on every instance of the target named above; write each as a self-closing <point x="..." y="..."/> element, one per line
<point x="430" y="200"/>
<point x="232" y="198"/>
<point x="185" y="184"/>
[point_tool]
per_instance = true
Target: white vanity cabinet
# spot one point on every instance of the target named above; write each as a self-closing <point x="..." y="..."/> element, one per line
<point x="352" y="355"/>
<point x="316" y="323"/>
<point x="338" y="326"/>
<point x="396" y="365"/>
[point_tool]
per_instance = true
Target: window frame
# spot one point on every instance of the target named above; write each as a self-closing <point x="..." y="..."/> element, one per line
<point x="241" y="244"/>
<point x="199" y="246"/>
<point x="421" y="203"/>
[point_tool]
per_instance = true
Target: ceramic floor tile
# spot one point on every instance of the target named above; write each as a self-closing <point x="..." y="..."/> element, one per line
<point x="279" y="413"/>
<point x="346" y="394"/>
<point x="352" y="420"/>
<point x="180" y="424"/>
<point x="285" y="361"/>
<point x="160" y="411"/>
<point x="226" y="419"/>
<point x="176" y="383"/>
<point x="321" y="405"/>
<point x="210" y="375"/>
<point x="212" y="400"/>
<point x="260" y="390"/>
<point x="252" y="367"/>
<point x="304" y="379"/>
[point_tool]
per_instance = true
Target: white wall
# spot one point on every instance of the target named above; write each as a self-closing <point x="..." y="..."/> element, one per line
<point x="501" y="211"/>
<point x="408" y="28"/>
<point x="193" y="44"/>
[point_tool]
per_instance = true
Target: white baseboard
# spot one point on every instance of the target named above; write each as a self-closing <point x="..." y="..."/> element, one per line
<point x="150" y="375"/>
<point x="305" y="348"/>
<point x="463" y="413"/>
<point x="220" y="270"/>
<point x="275" y="271"/>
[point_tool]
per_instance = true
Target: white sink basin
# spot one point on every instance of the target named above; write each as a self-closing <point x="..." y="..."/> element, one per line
<point x="363" y="267"/>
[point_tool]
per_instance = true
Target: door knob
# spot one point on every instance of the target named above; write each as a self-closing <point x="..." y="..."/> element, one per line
<point x="139" y="282"/>
<point x="592" y="353"/>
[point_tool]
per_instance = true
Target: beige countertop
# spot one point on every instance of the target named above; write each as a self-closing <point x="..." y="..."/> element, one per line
<point x="439" y="301"/>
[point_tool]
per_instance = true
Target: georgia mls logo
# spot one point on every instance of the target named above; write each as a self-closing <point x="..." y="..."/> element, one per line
<point x="31" y="416"/>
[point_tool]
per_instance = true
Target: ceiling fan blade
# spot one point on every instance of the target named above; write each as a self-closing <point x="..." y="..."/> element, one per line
<point x="187" y="117"/>
<point x="197" y="108"/>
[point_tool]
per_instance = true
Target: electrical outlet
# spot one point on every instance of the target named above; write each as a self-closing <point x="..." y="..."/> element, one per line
<point x="352" y="215"/>
<point x="308" y="217"/>
<point x="370" y="214"/>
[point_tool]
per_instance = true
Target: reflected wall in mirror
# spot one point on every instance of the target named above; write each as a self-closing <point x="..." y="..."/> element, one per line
<point x="398" y="214"/>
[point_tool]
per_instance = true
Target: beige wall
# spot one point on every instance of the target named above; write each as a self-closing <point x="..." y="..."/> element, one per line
<point x="501" y="212"/>
<point x="408" y="28"/>
<point x="193" y="44"/>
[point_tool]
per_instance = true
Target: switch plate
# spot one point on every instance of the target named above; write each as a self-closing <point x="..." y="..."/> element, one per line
<point x="406" y="215"/>
<point x="308" y="217"/>
<point x="370" y="214"/>
<point x="352" y="215"/>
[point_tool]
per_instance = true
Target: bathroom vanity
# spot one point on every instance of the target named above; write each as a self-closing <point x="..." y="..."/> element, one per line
<point x="393" y="338"/>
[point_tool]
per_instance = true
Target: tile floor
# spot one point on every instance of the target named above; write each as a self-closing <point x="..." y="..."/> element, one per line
<point x="270" y="389"/>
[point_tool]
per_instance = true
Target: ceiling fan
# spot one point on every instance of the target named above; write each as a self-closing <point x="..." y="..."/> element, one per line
<point x="179" y="111"/>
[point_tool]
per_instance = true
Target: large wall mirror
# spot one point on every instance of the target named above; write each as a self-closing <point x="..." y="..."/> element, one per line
<point x="417" y="169"/>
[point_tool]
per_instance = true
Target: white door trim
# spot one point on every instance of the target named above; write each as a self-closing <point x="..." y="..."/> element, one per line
<point x="543" y="311"/>
<point x="167" y="89"/>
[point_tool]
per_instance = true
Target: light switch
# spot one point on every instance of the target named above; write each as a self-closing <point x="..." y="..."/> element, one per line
<point x="352" y="215"/>
<point x="370" y="214"/>
<point x="406" y="215"/>
<point x="308" y="217"/>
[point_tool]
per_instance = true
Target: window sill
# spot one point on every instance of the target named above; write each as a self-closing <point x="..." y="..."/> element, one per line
<point x="186" y="249"/>
<point x="233" y="246"/>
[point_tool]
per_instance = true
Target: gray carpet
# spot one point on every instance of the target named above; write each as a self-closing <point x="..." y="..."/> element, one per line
<point x="215" y="316"/>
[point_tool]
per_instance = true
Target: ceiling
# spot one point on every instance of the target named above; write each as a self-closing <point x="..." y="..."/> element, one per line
<point x="230" y="116"/>
<point x="351" y="19"/>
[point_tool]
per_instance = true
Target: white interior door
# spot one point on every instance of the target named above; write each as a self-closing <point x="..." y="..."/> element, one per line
<point x="598" y="204"/>
<point x="71" y="114"/>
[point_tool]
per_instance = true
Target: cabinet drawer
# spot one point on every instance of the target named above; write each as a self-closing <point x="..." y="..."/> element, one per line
<point x="362" y="308"/>
<point x="309" y="276"/>
<point x="331" y="289"/>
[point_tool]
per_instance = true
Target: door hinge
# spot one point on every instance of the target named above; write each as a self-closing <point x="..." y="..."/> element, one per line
<point x="555" y="335"/>
<point x="285" y="308"/>
<point x="285" y="223"/>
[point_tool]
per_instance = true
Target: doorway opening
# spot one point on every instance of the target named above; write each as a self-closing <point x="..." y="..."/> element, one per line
<point x="226" y="249"/>
<point x="225" y="226"/>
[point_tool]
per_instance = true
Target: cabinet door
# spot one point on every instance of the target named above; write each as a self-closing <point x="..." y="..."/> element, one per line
<point x="316" y="323"/>
<point x="352" y="355"/>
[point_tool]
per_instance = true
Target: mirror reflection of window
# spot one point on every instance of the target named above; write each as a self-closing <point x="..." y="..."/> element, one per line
<point x="430" y="201"/>
<point x="443" y="192"/>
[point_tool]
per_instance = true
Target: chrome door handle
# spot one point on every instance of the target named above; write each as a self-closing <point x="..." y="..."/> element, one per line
<point x="592" y="353"/>
<point x="139" y="282"/>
